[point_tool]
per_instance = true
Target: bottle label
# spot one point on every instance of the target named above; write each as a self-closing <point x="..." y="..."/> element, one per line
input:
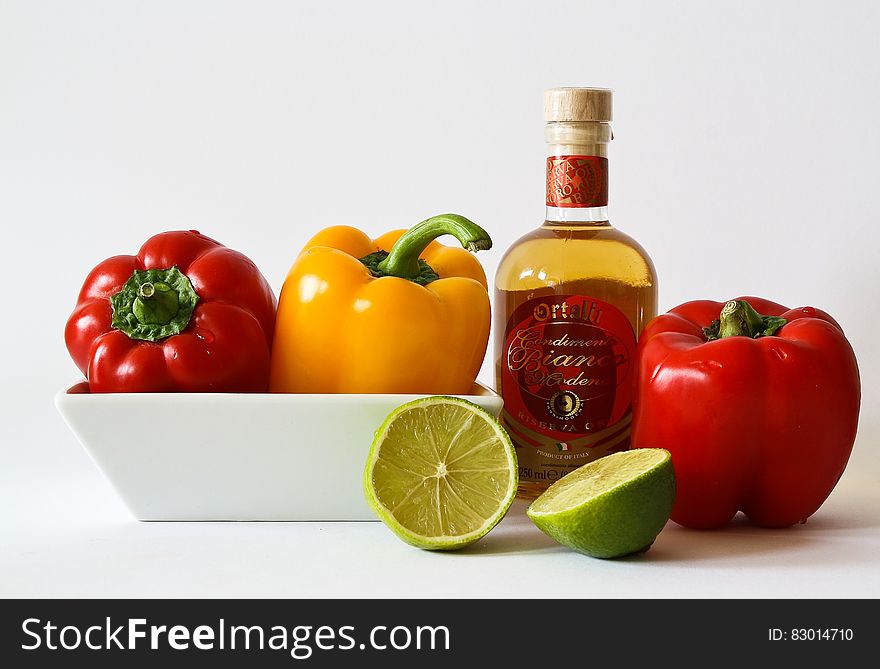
<point x="577" y="181"/>
<point x="566" y="380"/>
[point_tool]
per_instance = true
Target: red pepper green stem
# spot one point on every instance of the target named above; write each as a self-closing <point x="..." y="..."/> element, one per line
<point x="403" y="259"/>
<point x="154" y="304"/>
<point x="738" y="318"/>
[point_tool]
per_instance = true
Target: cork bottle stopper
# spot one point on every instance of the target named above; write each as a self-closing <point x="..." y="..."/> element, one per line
<point x="577" y="104"/>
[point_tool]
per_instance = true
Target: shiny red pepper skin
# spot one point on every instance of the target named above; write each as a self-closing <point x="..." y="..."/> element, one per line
<point x="764" y="425"/>
<point x="225" y="346"/>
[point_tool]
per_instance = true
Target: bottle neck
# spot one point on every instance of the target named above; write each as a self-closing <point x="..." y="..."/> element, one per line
<point x="577" y="171"/>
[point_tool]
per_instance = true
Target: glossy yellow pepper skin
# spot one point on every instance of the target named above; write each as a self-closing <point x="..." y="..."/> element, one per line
<point x="340" y="328"/>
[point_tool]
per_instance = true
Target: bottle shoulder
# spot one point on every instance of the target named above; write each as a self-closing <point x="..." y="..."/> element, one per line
<point x="552" y="254"/>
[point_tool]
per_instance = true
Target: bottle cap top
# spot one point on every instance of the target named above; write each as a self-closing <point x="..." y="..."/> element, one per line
<point x="577" y="104"/>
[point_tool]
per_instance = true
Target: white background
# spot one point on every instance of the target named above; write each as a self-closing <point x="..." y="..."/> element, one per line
<point x="745" y="162"/>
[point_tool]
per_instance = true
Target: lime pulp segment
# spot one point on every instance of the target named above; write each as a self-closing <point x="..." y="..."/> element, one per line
<point x="596" y="478"/>
<point x="441" y="472"/>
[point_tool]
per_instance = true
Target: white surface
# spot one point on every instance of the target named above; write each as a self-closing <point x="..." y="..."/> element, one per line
<point x="746" y="132"/>
<point x="236" y="456"/>
<point x="66" y="533"/>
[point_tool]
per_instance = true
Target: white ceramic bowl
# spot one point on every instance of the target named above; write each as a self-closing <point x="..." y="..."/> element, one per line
<point x="212" y="456"/>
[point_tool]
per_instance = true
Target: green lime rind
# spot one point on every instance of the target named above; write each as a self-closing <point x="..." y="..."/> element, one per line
<point x="612" y="507"/>
<point x="498" y="505"/>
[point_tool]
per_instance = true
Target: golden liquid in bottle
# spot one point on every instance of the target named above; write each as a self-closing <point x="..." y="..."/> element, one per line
<point x="583" y="258"/>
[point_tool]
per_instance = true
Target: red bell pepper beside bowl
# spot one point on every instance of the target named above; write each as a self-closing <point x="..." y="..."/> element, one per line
<point x="186" y="314"/>
<point x="758" y="405"/>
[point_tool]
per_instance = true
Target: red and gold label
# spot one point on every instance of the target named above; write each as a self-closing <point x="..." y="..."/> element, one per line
<point x="577" y="181"/>
<point x="566" y="380"/>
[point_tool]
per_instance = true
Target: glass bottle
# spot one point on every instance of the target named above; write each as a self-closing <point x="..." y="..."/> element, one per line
<point x="571" y="297"/>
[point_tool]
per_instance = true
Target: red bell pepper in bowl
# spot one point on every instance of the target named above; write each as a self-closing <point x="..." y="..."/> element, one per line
<point x="186" y="314"/>
<point x="758" y="405"/>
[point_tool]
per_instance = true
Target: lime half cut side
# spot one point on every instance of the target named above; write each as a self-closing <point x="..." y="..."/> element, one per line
<point x="610" y="507"/>
<point x="441" y="473"/>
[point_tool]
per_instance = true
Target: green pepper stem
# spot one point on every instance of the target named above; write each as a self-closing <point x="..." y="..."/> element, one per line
<point x="403" y="259"/>
<point x="154" y="304"/>
<point x="738" y="318"/>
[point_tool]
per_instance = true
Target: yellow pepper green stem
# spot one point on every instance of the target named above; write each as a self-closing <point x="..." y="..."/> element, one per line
<point x="403" y="259"/>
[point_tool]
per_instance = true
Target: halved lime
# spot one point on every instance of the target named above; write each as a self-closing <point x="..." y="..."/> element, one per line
<point x="610" y="507"/>
<point x="441" y="473"/>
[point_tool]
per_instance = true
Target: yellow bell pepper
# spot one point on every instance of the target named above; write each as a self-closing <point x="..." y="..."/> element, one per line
<point x="398" y="314"/>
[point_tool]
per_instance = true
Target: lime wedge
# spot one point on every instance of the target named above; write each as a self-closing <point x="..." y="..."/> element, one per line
<point x="610" y="507"/>
<point x="441" y="473"/>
